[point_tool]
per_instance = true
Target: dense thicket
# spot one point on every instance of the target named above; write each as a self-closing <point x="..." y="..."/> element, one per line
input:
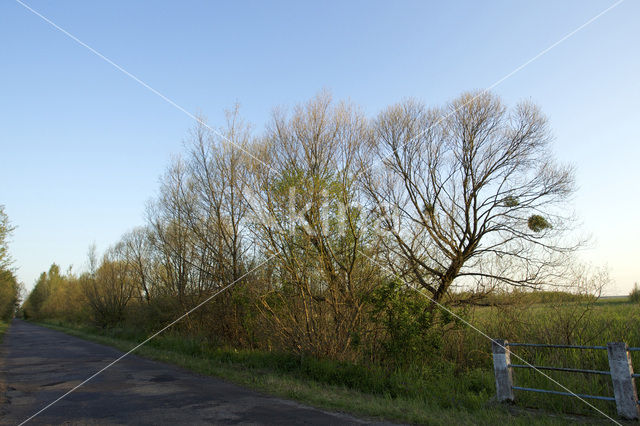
<point x="333" y="234"/>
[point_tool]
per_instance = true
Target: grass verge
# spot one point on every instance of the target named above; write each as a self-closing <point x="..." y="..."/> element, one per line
<point x="3" y="385"/>
<point x="440" y="400"/>
<point x="3" y="329"/>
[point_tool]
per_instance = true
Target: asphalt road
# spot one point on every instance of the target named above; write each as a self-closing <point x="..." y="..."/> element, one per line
<point x="39" y="365"/>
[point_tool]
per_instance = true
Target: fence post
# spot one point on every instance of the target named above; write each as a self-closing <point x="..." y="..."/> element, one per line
<point x="504" y="378"/>
<point x="624" y="387"/>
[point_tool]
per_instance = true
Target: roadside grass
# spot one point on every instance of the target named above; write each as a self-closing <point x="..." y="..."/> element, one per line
<point x="4" y="326"/>
<point x="439" y="397"/>
<point x="3" y="329"/>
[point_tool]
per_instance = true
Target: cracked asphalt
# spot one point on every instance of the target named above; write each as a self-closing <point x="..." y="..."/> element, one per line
<point x="39" y="365"/>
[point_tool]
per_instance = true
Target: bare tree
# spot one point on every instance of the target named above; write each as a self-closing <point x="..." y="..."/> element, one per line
<point x="177" y="254"/>
<point x="110" y="289"/>
<point x="468" y="192"/>
<point x="217" y="170"/>
<point x="5" y="233"/>
<point x="138" y="253"/>
<point x="309" y="219"/>
<point x="216" y="215"/>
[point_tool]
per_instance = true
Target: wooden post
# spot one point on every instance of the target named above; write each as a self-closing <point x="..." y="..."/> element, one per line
<point x="504" y="378"/>
<point x="624" y="386"/>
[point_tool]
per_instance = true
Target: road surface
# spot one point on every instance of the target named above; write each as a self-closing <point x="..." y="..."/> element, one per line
<point x="38" y="365"/>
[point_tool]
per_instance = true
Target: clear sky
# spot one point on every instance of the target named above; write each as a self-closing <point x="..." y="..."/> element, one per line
<point x="82" y="145"/>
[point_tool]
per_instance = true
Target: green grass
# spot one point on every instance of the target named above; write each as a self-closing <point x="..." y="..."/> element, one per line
<point x="3" y="329"/>
<point x="611" y="320"/>
<point x="438" y="397"/>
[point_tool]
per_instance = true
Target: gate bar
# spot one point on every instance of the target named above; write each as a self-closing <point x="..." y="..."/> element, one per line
<point x="602" y="398"/>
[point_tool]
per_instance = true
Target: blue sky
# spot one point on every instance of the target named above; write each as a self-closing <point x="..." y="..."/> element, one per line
<point x="82" y="145"/>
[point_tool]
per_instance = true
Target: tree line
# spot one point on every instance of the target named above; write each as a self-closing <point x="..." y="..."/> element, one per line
<point x="334" y="234"/>
<point x="10" y="288"/>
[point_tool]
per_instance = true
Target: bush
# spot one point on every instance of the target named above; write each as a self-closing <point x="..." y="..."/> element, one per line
<point x="412" y="329"/>
<point x="634" y="296"/>
<point x="8" y="294"/>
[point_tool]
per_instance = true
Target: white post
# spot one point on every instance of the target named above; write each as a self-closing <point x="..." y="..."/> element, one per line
<point x="504" y="378"/>
<point x="624" y="386"/>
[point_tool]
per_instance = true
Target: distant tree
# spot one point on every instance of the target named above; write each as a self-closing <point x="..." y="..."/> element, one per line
<point x="137" y="251"/>
<point x="46" y="284"/>
<point x="56" y="296"/>
<point x="5" y="233"/>
<point x="110" y="289"/>
<point x="9" y="286"/>
<point x="9" y="294"/>
<point x="634" y="296"/>
<point x="469" y="191"/>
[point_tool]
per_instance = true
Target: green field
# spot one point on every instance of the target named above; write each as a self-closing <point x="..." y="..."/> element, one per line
<point x="607" y="320"/>
<point x="454" y="387"/>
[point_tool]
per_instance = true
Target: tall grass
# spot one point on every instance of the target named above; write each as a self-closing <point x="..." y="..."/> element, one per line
<point x="607" y="321"/>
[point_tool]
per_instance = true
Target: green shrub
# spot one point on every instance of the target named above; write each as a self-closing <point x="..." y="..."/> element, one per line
<point x="412" y="330"/>
<point x="634" y="296"/>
